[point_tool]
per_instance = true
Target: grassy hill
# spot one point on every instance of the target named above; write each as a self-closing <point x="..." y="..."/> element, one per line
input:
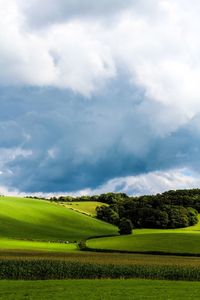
<point x="38" y="220"/>
<point x="86" y="207"/>
<point x="186" y="240"/>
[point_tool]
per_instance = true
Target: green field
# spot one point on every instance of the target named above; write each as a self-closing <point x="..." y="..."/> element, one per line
<point x="86" y="207"/>
<point x="186" y="240"/>
<point x="13" y="244"/>
<point x="99" y="289"/>
<point x="37" y="224"/>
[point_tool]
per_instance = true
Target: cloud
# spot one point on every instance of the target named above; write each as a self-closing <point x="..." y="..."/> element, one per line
<point x="83" y="63"/>
<point x="95" y="91"/>
<point x="63" y="56"/>
<point x="145" y="184"/>
<point x="157" y="42"/>
<point x="150" y="183"/>
<point x="70" y="143"/>
<point x="24" y="57"/>
<point x="50" y="11"/>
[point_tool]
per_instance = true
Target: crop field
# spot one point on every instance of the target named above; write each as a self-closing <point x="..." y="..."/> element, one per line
<point x="102" y="258"/>
<point x="37" y="224"/>
<point x="99" y="289"/>
<point x="37" y="268"/>
<point x="86" y="207"/>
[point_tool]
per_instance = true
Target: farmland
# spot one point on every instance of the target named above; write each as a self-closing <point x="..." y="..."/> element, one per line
<point x="37" y="241"/>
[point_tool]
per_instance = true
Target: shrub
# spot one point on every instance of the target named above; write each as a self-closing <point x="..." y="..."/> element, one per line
<point x="81" y="245"/>
<point x="125" y="226"/>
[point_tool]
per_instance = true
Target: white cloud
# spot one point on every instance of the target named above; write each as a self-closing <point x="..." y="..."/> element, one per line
<point x="24" y="57"/>
<point x="5" y="192"/>
<point x="50" y="11"/>
<point x="82" y="62"/>
<point x="162" y="54"/>
<point x="157" y="42"/>
<point x="150" y="183"/>
<point x="65" y="56"/>
<point x="8" y="155"/>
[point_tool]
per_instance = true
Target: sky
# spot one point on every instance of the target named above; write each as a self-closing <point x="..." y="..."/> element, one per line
<point x="99" y="96"/>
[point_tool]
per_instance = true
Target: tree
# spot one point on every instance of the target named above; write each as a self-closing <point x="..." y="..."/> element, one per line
<point x="107" y="214"/>
<point x="125" y="226"/>
<point x="178" y="216"/>
<point x="192" y="215"/>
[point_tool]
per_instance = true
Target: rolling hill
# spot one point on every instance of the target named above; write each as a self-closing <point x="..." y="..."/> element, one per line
<point x="23" y="219"/>
<point x="179" y="241"/>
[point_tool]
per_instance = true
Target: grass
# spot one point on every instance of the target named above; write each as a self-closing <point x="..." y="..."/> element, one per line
<point x="87" y="207"/>
<point x="29" y="223"/>
<point x="180" y="241"/>
<point x="160" y="242"/>
<point x="99" y="290"/>
<point x="12" y="244"/>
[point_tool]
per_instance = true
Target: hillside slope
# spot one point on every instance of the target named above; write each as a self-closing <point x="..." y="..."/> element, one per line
<point x="30" y="219"/>
<point x="86" y="207"/>
<point x="183" y="240"/>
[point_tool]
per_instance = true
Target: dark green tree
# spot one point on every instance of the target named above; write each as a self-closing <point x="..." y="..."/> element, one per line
<point x="107" y="214"/>
<point x="125" y="226"/>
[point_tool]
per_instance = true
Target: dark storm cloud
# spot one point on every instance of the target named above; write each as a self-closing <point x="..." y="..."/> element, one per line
<point x="74" y="143"/>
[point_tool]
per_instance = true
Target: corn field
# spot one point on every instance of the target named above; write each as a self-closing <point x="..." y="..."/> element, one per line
<point x="48" y="269"/>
